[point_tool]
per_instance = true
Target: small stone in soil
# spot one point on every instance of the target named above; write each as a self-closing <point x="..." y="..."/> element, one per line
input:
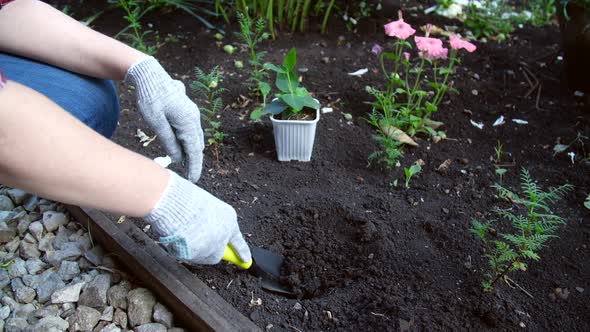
<point x="325" y="59"/>
<point x="297" y="306"/>
<point x="580" y="289"/>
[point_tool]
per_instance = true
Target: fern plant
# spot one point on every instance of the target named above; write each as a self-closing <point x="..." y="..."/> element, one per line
<point x="251" y="33"/>
<point x="207" y="85"/>
<point x="508" y="252"/>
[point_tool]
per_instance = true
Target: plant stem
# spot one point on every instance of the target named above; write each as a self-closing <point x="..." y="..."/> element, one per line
<point x="411" y="97"/>
<point x="327" y="16"/>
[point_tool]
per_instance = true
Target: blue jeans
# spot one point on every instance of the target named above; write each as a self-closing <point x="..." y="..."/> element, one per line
<point x="93" y="101"/>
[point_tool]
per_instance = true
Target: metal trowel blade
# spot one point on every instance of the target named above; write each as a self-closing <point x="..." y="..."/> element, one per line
<point x="267" y="266"/>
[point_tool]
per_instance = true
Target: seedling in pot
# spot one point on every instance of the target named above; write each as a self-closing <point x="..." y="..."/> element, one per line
<point x="409" y="172"/>
<point x="509" y="252"/>
<point x="292" y="98"/>
<point x="208" y="86"/>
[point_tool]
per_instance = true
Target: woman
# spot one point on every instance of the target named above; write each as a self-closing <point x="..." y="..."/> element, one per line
<point x="58" y="108"/>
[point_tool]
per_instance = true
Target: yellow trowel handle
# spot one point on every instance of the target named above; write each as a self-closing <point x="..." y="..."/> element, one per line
<point x="229" y="255"/>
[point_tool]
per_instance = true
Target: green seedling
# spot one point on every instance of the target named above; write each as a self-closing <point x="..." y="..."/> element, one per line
<point x="207" y="84"/>
<point x="347" y="116"/>
<point x="252" y="33"/>
<point x="409" y="172"/>
<point x="238" y="64"/>
<point x="135" y="11"/>
<point x="510" y="251"/>
<point x="501" y="172"/>
<point x="218" y="36"/>
<point x="587" y="202"/>
<point x="499" y="150"/>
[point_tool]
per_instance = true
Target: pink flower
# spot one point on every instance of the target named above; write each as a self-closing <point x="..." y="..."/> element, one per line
<point x="431" y="48"/>
<point x="377" y="49"/>
<point x="399" y="29"/>
<point x="458" y="43"/>
<point x="406" y="56"/>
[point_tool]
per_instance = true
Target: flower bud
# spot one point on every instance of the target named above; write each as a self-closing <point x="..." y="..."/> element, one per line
<point x="213" y="84"/>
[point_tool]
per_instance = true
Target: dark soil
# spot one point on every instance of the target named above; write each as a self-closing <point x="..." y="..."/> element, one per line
<point x="362" y="254"/>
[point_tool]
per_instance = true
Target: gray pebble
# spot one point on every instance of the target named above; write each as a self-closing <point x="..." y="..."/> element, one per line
<point x="107" y="314"/>
<point x="13" y="245"/>
<point x="111" y="328"/>
<point x="4" y="278"/>
<point x="84" y="319"/>
<point x="50" y="323"/>
<point x="120" y="318"/>
<point x="34" y="265"/>
<point x="150" y="327"/>
<point x="31" y="203"/>
<point x="36" y="229"/>
<point x="162" y="315"/>
<point x="46" y="243"/>
<point x="52" y="220"/>
<point x="66" y="294"/>
<point x="17" y="195"/>
<point x="117" y="295"/>
<point x="95" y="292"/>
<point x="48" y="285"/>
<point x="25" y="294"/>
<point x="6" y="203"/>
<point x="16" y="324"/>
<point x="68" y="270"/>
<point x="4" y="312"/>
<point x="141" y="303"/>
<point x="23" y="224"/>
<point x="70" y="252"/>
<point x="17" y="269"/>
<point x="29" y="250"/>
<point x="7" y="233"/>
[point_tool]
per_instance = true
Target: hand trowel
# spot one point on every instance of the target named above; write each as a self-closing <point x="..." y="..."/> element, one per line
<point x="264" y="264"/>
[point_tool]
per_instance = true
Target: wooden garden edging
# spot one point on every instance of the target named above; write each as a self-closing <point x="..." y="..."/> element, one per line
<point x="194" y="304"/>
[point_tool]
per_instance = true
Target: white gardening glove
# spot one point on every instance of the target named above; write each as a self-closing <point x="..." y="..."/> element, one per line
<point x="166" y="108"/>
<point x="196" y="226"/>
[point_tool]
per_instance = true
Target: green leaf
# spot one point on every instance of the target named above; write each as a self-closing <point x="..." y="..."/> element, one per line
<point x="347" y="116"/>
<point x="275" y="107"/>
<point x="415" y="169"/>
<point x="430" y="108"/>
<point x="587" y="203"/>
<point x="270" y="66"/>
<point x="390" y="55"/>
<point x="501" y="171"/>
<point x="257" y="113"/>
<point x="310" y="102"/>
<point x="290" y="59"/>
<point x="264" y="88"/>
<point x="294" y="101"/>
<point x="400" y="91"/>
<point x="283" y="81"/>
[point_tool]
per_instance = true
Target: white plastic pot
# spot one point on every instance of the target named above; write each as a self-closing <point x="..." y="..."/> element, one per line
<point x="294" y="138"/>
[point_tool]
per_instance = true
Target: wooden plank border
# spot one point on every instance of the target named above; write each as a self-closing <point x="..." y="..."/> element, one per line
<point x="194" y="304"/>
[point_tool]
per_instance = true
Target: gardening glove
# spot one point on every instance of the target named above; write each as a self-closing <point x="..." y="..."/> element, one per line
<point x="194" y="225"/>
<point x="166" y="108"/>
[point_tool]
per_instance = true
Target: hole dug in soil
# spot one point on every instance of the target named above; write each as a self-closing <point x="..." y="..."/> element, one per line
<point x="327" y="249"/>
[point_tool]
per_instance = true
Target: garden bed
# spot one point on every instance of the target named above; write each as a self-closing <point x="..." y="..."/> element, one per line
<point x="364" y="254"/>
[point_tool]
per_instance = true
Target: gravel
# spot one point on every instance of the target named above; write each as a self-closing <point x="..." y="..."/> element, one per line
<point x="51" y="280"/>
